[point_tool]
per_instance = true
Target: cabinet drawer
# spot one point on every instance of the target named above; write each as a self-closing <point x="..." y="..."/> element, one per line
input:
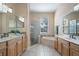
<point x="74" y="52"/>
<point x="74" y="46"/>
<point x="65" y="42"/>
<point x="3" y="45"/>
<point x="11" y="42"/>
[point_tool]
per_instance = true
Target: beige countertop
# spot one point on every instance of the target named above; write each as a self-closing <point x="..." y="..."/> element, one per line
<point x="10" y="38"/>
<point x="68" y="39"/>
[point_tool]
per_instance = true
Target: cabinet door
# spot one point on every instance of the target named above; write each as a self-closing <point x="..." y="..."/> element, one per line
<point x="55" y="44"/>
<point x="74" y="52"/>
<point x="65" y="50"/>
<point x="19" y="47"/>
<point x="3" y="52"/>
<point x="59" y="46"/>
<point x="12" y="50"/>
<point x="3" y="49"/>
<point x="74" y="49"/>
<point x="24" y="42"/>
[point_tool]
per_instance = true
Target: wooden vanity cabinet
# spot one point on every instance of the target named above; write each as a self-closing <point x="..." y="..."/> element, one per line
<point x="56" y="43"/>
<point x="24" y="42"/>
<point x="11" y="47"/>
<point x="65" y="48"/>
<point x="62" y="46"/>
<point x="59" y="45"/>
<point x="74" y="49"/>
<point x="3" y="49"/>
<point x="19" y="46"/>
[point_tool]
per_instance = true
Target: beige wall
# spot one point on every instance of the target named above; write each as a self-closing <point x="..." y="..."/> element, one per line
<point x="27" y="25"/>
<point x="37" y="15"/>
<point x="0" y="23"/>
<point x="63" y="10"/>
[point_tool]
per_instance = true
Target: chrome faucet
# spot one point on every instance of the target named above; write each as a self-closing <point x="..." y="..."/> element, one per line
<point x="71" y="35"/>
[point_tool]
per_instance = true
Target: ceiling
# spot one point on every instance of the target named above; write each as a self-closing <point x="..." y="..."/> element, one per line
<point x="43" y="7"/>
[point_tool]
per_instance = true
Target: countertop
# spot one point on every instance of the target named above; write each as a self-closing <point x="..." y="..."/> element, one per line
<point x="68" y="39"/>
<point x="10" y="37"/>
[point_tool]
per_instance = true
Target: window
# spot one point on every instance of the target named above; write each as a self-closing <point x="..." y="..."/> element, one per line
<point x="44" y="24"/>
<point x="65" y="26"/>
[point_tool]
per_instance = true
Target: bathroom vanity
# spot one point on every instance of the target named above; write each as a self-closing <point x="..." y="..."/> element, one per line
<point x="13" y="45"/>
<point x="67" y="43"/>
<point x="66" y="46"/>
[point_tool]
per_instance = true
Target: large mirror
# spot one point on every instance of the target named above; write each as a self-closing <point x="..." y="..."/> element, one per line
<point x="9" y="21"/>
<point x="71" y="23"/>
<point x="19" y="22"/>
<point x="14" y="22"/>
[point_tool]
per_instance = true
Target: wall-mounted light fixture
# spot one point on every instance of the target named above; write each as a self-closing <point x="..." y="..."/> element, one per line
<point x="10" y="10"/>
<point x="21" y="19"/>
<point x="76" y="8"/>
<point x="5" y="8"/>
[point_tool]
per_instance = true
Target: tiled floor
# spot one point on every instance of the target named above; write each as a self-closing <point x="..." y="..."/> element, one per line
<point x="41" y="50"/>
